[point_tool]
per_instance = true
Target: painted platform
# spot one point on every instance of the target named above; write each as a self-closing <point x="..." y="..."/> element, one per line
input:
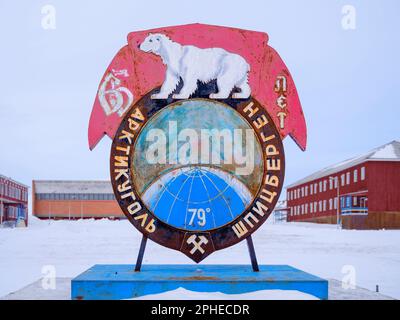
<point x="115" y="282"/>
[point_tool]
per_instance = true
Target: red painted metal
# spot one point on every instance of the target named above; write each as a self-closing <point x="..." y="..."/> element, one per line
<point x="136" y="72"/>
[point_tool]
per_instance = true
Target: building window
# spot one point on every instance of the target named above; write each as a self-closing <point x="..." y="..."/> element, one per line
<point x="355" y="176"/>
<point x="311" y="189"/>
<point x="324" y="208"/>
<point x="315" y="188"/>
<point x="311" y="207"/>
<point x="302" y="191"/>
<point x="363" y="173"/>
<point x="74" y="196"/>
<point x="320" y="206"/>
<point x="335" y="203"/>
<point x="315" y="206"/>
<point x="306" y="208"/>
<point x="330" y="183"/>
<point x="330" y="204"/>
<point x="342" y="180"/>
<point x="320" y="186"/>
<point x="306" y="191"/>
<point x="348" y="178"/>
<point x="325" y="185"/>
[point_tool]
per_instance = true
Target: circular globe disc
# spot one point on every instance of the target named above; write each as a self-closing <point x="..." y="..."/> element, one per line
<point x="197" y="175"/>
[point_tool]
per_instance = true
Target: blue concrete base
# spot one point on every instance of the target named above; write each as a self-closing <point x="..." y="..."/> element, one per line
<point x="113" y="282"/>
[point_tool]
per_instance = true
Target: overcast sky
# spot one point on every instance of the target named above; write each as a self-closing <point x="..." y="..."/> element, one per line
<point x="348" y="80"/>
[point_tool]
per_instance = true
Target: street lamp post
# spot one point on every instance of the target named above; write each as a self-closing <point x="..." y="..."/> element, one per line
<point x="1" y="211"/>
<point x="338" y="199"/>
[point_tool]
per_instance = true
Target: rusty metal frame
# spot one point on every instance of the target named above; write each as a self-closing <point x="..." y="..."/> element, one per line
<point x="252" y="253"/>
<point x="173" y="237"/>
<point x="141" y="253"/>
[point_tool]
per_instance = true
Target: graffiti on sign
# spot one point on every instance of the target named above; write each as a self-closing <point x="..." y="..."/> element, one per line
<point x="113" y="97"/>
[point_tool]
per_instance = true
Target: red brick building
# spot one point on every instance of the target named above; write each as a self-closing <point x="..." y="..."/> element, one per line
<point x="368" y="187"/>
<point x="13" y="202"/>
<point x="74" y="200"/>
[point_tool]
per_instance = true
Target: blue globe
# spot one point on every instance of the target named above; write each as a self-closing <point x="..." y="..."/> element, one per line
<point x="197" y="198"/>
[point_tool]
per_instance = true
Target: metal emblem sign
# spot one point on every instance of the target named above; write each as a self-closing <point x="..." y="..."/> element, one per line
<point x="197" y="115"/>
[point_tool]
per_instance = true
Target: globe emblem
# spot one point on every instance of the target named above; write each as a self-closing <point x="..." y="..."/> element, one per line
<point x="193" y="181"/>
<point x="197" y="198"/>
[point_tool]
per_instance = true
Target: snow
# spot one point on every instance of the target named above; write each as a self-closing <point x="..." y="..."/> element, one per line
<point x="183" y="294"/>
<point x="387" y="152"/>
<point x="74" y="246"/>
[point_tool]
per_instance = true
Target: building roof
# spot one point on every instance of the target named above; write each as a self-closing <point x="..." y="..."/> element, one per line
<point x="387" y="152"/>
<point x="281" y="205"/>
<point x="70" y="186"/>
<point x="16" y="182"/>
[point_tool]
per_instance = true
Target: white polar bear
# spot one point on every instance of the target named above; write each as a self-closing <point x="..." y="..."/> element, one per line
<point x="192" y="64"/>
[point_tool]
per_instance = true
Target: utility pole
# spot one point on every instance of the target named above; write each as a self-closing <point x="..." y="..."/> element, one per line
<point x="1" y="210"/>
<point x="49" y="210"/>
<point x="336" y="180"/>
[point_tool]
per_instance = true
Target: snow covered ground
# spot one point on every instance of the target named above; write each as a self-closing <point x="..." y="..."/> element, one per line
<point x="73" y="246"/>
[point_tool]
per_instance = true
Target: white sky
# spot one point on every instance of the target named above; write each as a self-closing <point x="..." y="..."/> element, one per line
<point x="348" y="81"/>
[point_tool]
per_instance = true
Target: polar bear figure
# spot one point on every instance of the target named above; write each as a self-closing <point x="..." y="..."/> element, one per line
<point x="192" y="64"/>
